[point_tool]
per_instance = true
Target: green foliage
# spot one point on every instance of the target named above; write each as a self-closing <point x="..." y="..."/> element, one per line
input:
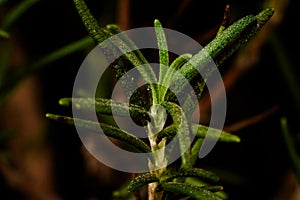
<point x="172" y="182"/>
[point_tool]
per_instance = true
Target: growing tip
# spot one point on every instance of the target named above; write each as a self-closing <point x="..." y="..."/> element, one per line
<point x="236" y="139"/>
<point x="157" y="23"/>
<point x="59" y="118"/>
<point x="228" y="137"/>
<point x="265" y="15"/>
<point x="65" y="102"/>
<point x="49" y="116"/>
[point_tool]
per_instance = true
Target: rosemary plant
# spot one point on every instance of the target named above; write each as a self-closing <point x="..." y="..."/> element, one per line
<point x="164" y="181"/>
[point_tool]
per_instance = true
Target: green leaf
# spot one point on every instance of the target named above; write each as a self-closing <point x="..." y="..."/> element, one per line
<point x="264" y="16"/>
<point x="175" y="65"/>
<point x="223" y="46"/>
<point x="169" y="132"/>
<point x="99" y="35"/>
<point x="196" y="149"/>
<point x="96" y="33"/>
<point x="195" y="192"/>
<point x="215" y="188"/>
<point x="202" y="174"/>
<point x="130" y="84"/>
<point x="183" y="133"/>
<point x="109" y="131"/>
<point x="162" y="45"/>
<point x="124" y="40"/>
<point x="243" y="36"/>
<point x="111" y="50"/>
<point x="120" y="68"/>
<point x="201" y="130"/>
<point x="145" y="69"/>
<point x="105" y="106"/>
<point x="217" y="47"/>
<point x="114" y="29"/>
<point x="163" y="55"/>
<point x="141" y="180"/>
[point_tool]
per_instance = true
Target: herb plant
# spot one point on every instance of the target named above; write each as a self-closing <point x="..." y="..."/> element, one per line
<point x="164" y="181"/>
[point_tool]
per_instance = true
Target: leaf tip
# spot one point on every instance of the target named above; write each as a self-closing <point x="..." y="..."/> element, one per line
<point x="265" y="15"/>
<point x="237" y="139"/>
<point x="49" y="116"/>
<point x="64" y="102"/>
<point x="157" y="23"/>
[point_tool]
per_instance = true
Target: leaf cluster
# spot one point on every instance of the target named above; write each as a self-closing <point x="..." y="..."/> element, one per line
<point x="173" y="183"/>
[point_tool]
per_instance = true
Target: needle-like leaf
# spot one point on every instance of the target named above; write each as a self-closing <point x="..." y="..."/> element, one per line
<point x="141" y="180"/>
<point x="106" y="106"/>
<point x="163" y="56"/>
<point x="183" y="133"/>
<point x="204" y="175"/>
<point x="99" y="35"/>
<point x="195" y="192"/>
<point x="201" y="130"/>
<point x="223" y="46"/>
<point x="109" y="130"/>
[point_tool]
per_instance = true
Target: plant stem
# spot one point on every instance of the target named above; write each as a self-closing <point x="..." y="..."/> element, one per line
<point x="152" y="194"/>
<point x="158" y="119"/>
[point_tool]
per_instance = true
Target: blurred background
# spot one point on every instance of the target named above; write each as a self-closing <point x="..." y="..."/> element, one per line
<point x="44" y="160"/>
